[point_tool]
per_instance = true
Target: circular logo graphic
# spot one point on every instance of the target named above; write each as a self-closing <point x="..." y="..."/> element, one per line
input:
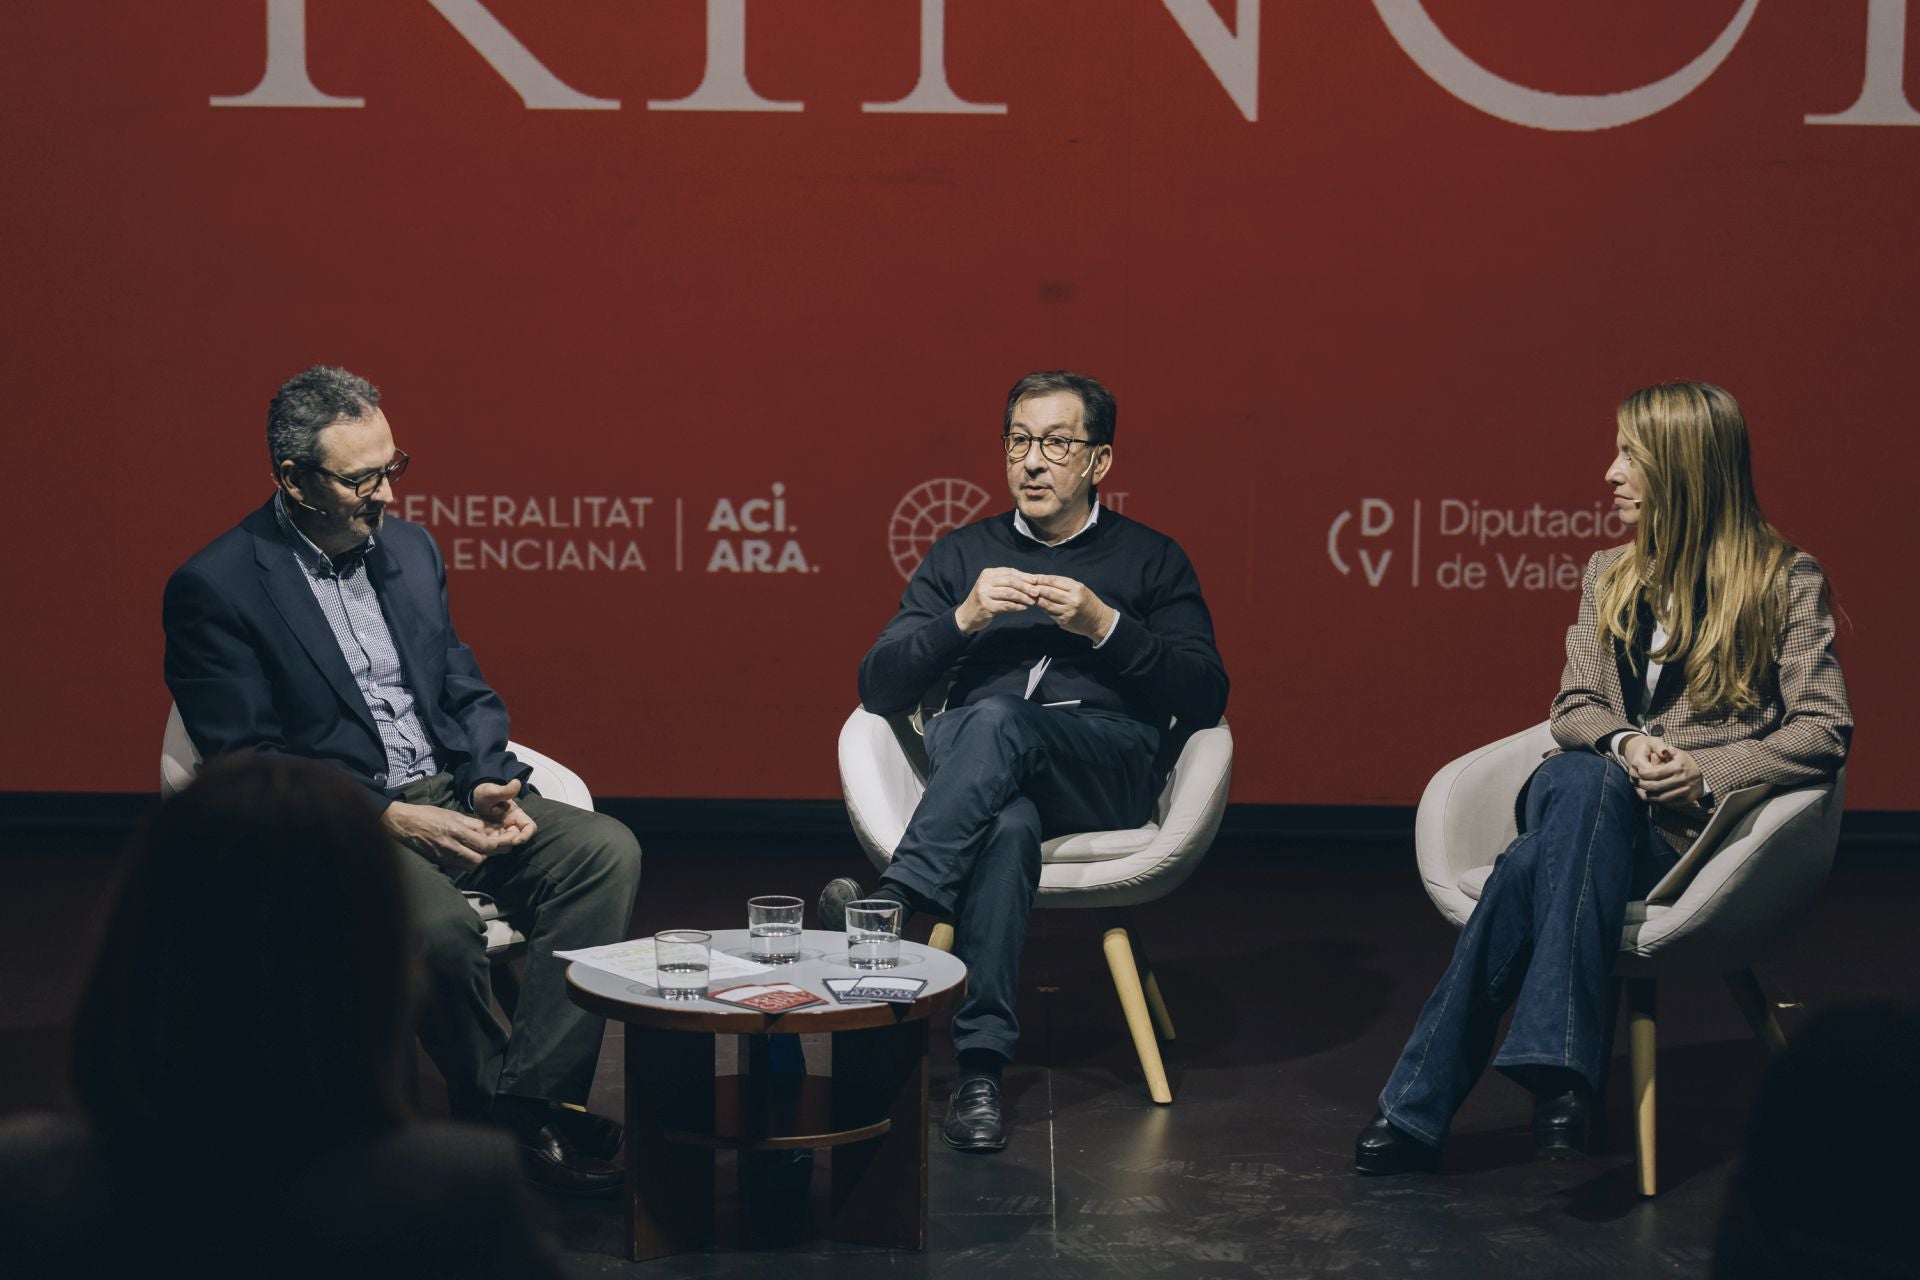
<point x="927" y="512"/>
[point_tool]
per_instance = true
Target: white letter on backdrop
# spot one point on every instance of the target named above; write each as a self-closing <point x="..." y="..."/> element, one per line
<point x="1883" y="98"/>
<point x="933" y="96"/>
<point x="1234" y="58"/>
<point x="286" y="83"/>
<point x="1474" y="85"/>
<point x="724" y="87"/>
<point x="538" y="87"/>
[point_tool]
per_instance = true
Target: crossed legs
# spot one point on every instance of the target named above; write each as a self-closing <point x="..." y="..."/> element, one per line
<point x="1542" y="940"/>
<point x="1006" y="773"/>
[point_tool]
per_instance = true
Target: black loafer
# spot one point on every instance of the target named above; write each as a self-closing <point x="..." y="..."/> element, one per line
<point x="590" y="1134"/>
<point x="1563" y="1123"/>
<point x="549" y="1156"/>
<point x="554" y="1164"/>
<point x="973" y="1120"/>
<point x="1383" y="1149"/>
<point x="833" y="902"/>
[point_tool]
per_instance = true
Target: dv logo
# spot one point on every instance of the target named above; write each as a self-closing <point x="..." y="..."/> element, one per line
<point x="927" y="512"/>
<point x="1376" y="520"/>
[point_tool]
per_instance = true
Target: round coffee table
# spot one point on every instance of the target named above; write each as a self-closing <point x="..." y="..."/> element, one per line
<point x="873" y="1108"/>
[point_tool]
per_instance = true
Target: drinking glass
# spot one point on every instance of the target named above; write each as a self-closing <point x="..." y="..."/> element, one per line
<point x="680" y="958"/>
<point x="773" y="925"/>
<point x="873" y="933"/>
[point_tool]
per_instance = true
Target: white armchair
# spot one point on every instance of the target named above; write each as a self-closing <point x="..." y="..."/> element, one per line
<point x="1741" y="903"/>
<point x="180" y="760"/>
<point x="883" y="772"/>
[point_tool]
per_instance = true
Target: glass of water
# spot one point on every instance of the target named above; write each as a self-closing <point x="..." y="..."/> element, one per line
<point x="773" y="924"/>
<point x="873" y="933"/>
<point x="680" y="959"/>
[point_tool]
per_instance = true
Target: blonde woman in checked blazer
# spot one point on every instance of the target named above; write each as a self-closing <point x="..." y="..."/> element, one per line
<point x="1701" y="662"/>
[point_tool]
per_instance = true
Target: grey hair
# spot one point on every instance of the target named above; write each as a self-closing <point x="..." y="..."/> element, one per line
<point x="310" y="401"/>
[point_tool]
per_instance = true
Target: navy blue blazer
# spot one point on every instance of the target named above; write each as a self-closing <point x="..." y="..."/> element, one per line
<point x="254" y="666"/>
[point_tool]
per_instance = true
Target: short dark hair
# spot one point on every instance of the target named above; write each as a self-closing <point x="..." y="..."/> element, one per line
<point x="313" y="399"/>
<point x="260" y="938"/>
<point x="1094" y="398"/>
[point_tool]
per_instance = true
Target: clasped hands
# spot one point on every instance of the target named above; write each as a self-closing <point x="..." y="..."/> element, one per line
<point x="1662" y="774"/>
<point x="1071" y="605"/>
<point x="453" y="840"/>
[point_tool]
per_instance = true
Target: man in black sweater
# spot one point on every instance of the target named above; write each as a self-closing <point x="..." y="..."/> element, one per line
<point x="1075" y="639"/>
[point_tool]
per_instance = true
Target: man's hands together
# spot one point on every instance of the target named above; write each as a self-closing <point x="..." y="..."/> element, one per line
<point x="1662" y="774"/>
<point x="496" y="803"/>
<point x="461" y="840"/>
<point x="1074" y="607"/>
<point x="1070" y="604"/>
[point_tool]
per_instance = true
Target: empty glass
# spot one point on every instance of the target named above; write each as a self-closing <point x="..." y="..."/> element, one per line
<point x="873" y="933"/>
<point x="773" y="925"/>
<point x="680" y="959"/>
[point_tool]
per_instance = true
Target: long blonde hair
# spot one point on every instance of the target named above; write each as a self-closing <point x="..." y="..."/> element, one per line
<point x="1704" y="559"/>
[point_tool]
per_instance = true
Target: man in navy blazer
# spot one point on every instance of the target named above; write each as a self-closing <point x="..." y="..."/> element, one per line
<point x="319" y="628"/>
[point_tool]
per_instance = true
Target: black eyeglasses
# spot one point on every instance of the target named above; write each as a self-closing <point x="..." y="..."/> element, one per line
<point x="1052" y="448"/>
<point x="364" y="486"/>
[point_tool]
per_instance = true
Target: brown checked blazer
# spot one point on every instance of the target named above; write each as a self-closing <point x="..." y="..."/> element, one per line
<point x="1797" y="735"/>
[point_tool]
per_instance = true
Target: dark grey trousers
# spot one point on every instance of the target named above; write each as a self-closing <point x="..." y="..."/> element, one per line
<point x="1006" y="774"/>
<point x="572" y="885"/>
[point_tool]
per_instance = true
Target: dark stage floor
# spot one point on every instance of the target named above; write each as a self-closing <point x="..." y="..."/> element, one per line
<point x="1292" y="970"/>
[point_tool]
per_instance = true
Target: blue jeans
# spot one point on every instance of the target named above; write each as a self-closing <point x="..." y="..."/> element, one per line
<point x="1543" y="939"/>
<point x="1008" y="773"/>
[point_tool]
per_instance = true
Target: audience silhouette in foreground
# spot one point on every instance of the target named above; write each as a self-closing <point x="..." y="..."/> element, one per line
<point x="1818" y="1193"/>
<point x="239" y="1061"/>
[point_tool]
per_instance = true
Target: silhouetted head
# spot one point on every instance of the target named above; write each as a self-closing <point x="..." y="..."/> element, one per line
<point x="254" y="980"/>
<point x="1818" y="1192"/>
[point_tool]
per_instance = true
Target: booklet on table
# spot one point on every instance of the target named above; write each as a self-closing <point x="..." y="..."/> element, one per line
<point x="873" y="987"/>
<point x="767" y="997"/>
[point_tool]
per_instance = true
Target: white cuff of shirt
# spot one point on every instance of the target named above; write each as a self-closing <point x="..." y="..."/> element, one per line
<point x="1109" y="631"/>
<point x="1619" y="740"/>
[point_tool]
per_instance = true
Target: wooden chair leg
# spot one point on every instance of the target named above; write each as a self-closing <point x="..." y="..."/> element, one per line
<point x="1156" y="1003"/>
<point x="1640" y="1048"/>
<point x="1747" y="993"/>
<point x="1157" y="1006"/>
<point x="941" y="939"/>
<point x="1133" y="1002"/>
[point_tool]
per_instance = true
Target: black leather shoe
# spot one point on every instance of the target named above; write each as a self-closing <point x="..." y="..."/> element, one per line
<point x="973" y="1116"/>
<point x="593" y="1135"/>
<point x="1382" y="1149"/>
<point x="1563" y="1123"/>
<point x="549" y="1156"/>
<point x="833" y="902"/>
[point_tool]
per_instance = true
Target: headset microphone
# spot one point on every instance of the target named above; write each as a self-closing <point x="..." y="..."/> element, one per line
<point x="324" y="515"/>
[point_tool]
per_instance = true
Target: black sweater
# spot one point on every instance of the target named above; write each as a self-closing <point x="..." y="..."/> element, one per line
<point x="1160" y="661"/>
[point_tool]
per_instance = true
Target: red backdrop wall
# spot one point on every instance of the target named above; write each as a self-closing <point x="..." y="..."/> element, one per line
<point x="684" y="387"/>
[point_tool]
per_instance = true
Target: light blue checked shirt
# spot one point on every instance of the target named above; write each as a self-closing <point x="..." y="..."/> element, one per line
<point x="345" y="594"/>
